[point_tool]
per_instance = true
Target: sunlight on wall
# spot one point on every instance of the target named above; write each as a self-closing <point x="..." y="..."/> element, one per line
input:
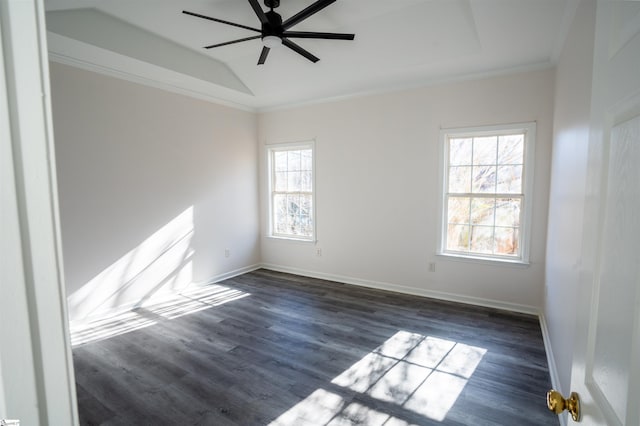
<point x="416" y="374"/>
<point x="186" y="302"/>
<point x="160" y="264"/>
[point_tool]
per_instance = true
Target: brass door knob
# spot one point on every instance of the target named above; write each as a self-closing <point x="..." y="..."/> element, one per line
<point x="557" y="404"/>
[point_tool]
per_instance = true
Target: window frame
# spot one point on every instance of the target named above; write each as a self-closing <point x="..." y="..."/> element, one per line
<point x="291" y="146"/>
<point x="526" y="211"/>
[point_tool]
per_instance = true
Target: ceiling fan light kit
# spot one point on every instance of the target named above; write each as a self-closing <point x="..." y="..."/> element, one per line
<point x="271" y="41"/>
<point x="275" y="32"/>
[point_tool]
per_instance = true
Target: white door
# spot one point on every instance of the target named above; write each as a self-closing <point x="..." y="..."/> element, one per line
<point x="606" y="365"/>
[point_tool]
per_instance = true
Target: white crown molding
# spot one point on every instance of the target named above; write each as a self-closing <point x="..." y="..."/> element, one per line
<point x="411" y="84"/>
<point x="91" y="58"/>
<point x="71" y="52"/>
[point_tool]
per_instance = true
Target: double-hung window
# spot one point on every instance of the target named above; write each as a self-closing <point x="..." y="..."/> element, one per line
<point x="486" y="194"/>
<point x="291" y="188"/>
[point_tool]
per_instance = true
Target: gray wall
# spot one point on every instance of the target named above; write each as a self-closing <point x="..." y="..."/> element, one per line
<point x="153" y="188"/>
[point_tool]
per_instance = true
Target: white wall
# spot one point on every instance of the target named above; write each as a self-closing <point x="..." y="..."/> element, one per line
<point x="567" y="194"/>
<point x="377" y="187"/>
<point x="153" y="188"/>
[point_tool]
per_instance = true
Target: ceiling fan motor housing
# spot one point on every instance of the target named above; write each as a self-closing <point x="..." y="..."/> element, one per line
<point x="273" y="26"/>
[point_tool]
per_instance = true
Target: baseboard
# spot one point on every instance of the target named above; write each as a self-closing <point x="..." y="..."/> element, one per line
<point x="551" y="362"/>
<point x="119" y="310"/>
<point x="226" y="275"/>
<point x="451" y="297"/>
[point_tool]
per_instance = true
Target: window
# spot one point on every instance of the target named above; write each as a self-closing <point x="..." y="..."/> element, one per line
<point x="291" y="184"/>
<point x="486" y="192"/>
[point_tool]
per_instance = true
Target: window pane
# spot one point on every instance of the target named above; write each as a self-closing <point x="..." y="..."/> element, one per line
<point x="306" y="183"/>
<point x="484" y="179"/>
<point x="510" y="179"/>
<point x="460" y="179"/>
<point x="506" y="241"/>
<point x="294" y="160"/>
<point x="460" y="152"/>
<point x="482" y="211"/>
<point x="280" y="160"/>
<point x="306" y="216"/>
<point x="485" y="190"/>
<point x="293" y="212"/>
<point x="280" y="213"/>
<point x="281" y="181"/>
<point x="508" y="212"/>
<point x="511" y="149"/>
<point x="305" y="226"/>
<point x="482" y="239"/>
<point x="292" y="174"/>
<point x="294" y="181"/>
<point x="458" y="237"/>
<point x="485" y="150"/>
<point x="305" y="204"/>
<point x="458" y="210"/>
<point x="307" y="160"/>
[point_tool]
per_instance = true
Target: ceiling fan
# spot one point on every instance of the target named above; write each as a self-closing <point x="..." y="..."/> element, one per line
<point x="275" y="32"/>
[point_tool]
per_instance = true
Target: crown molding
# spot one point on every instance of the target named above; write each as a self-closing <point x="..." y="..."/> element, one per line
<point x="71" y="52"/>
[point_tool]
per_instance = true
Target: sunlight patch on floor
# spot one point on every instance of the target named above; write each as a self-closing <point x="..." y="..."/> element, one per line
<point x="318" y="408"/>
<point x="413" y="374"/>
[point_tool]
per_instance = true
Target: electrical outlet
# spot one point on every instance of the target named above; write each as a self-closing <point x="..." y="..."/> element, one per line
<point x="227" y="252"/>
<point x="432" y="266"/>
<point x="319" y="252"/>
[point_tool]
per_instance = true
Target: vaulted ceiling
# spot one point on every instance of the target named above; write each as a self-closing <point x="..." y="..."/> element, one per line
<point x="398" y="44"/>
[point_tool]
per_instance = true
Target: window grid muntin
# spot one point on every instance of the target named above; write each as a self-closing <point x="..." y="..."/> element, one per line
<point x="493" y="226"/>
<point x="288" y="148"/>
<point x="520" y="229"/>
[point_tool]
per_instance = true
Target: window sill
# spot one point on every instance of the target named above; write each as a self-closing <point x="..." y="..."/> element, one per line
<point x="291" y="239"/>
<point x="515" y="263"/>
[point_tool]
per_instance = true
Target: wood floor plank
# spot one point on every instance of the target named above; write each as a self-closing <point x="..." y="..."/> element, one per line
<point x="291" y="350"/>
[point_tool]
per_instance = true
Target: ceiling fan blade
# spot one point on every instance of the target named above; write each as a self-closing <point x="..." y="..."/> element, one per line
<point x="263" y="55"/>
<point x="259" y="12"/>
<point x="328" y="36"/>
<point x="232" y="42"/>
<point x="291" y="45"/>
<point x="197" y="15"/>
<point x="305" y="13"/>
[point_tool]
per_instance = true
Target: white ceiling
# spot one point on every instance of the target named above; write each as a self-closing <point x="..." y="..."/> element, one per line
<point x="398" y="44"/>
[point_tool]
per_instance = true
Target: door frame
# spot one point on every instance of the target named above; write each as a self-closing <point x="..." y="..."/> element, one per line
<point x="37" y="383"/>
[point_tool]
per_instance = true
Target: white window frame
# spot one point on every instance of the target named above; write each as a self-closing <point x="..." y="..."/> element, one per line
<point x="291" y="146"/>
<point x="529" y="130"/>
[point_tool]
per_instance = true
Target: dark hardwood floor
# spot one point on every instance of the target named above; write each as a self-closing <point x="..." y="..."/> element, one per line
<point x="271" y="348"/>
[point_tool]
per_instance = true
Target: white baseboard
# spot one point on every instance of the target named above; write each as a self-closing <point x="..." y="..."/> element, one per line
<point x="551" y="362"/>
<point x="230" y="274"/>
<point x="125" y="307"/>
<point x="451" y="297"/>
